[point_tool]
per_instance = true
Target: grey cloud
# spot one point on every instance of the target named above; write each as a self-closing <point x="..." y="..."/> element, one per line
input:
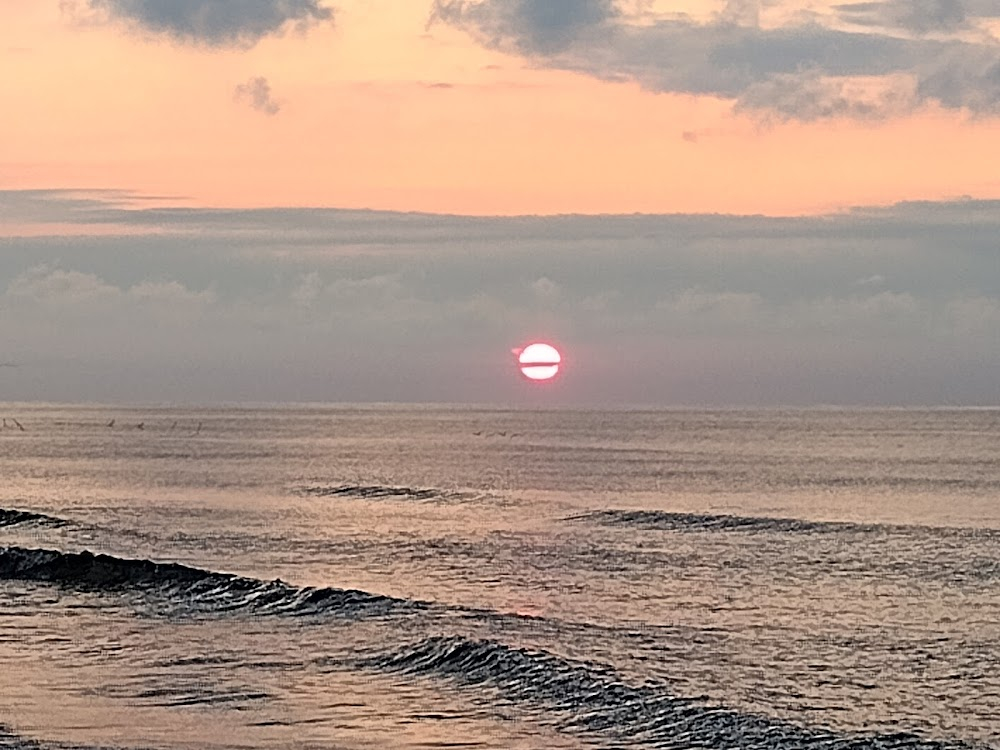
<point x="54" y="291"/>
<point x="974" y="314"/>
<point x="534" y="26"/>
<point x="47" y="285"/>
<point x="546" y="291"/>
<point x="216" y="22"/>
<point x="873" y="280"/>
<point x="809" y="96"/>
<point x="897" y="303"/>
<point x="964" y="78"/>
<point x="43" y="205"/>
<point x="742" y="12"/>
<point x="257" y="93"/>
<point x="982" y="8"/>
<point x="919" y="16"/>
<point x="806" y="71"/>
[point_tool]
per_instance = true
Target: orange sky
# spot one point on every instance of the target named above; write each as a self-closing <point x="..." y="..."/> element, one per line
<point x="361" y="124"/>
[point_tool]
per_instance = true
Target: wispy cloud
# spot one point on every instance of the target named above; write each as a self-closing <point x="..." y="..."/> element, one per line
<point x="257" y="93"/>
<point x="807" y="69"/>
<point x="217" y="23"/>
<point x="919" y="16"/>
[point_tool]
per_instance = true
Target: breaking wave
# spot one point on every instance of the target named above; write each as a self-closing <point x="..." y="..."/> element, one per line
<point x="9" y="740"/>
<point x="590" y="698"/>
<point x="25" y="517"/>
<point x="188" y="589"/>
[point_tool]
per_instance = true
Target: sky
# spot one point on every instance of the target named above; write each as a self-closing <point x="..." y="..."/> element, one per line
<point x="703" y="202"/>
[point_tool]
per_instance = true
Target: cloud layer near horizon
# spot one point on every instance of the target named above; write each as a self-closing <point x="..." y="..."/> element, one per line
<point x="888" y="305"/>
<point x="866" y="60"/>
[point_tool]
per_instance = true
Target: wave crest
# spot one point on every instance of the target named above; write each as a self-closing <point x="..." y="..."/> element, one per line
<point x="26" y="517"/>
<point x="184" y="588"/>
<point x="591" y="698"/>
<point x="482" y="661"/>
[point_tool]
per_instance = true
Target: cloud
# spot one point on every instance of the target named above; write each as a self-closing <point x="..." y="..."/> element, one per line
<point x="216" y="23"/>
<point x="918" y="16"/>
<point x="975" y="315"/>
<point x="308" y="290"/>
<point x="741" y="12"/>
<point x="45" y="285"/>
<point x="57" y="290"/>
<point x="731" y="305"/>
<point x="873" y="280"/>
<point x="696" y="311"/>
<point x="168" y="294"/>
<point x="534" y="26"/>
<point x="964" y="79"/>
<point x="879" y="304"/>
<point x="810" y="96"/>
<point x="257" y="93"/>
<point x="804" y="70"/>
<point x="866" y="315"/>
<point x="545" y="291"/>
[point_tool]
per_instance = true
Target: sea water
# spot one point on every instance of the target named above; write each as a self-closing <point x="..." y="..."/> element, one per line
<point x="418" y="577"/>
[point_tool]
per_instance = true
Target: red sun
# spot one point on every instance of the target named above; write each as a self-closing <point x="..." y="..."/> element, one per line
<point x="539" y="362"/>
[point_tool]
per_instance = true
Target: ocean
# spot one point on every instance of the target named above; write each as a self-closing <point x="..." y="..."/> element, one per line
<point x="311" y="576"/>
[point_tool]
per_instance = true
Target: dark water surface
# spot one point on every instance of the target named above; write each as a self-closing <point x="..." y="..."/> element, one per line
<point x="420" y="577"/>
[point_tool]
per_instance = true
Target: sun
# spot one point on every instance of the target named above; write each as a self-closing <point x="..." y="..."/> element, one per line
<point x="539" y="362"/>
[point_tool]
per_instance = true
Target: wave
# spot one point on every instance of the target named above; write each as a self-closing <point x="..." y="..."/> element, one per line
<point x="590" y="698"/>
<point x="189" y="590"/>
<point x="25" y="517"/>
<point x="9" y="740"/>
<point x="386" y="492"/>
<point x="671" y="521"/>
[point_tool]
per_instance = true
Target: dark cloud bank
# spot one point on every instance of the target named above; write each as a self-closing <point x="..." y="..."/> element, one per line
<point x="875" y="60"/>
<point x="895" y="305"/>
